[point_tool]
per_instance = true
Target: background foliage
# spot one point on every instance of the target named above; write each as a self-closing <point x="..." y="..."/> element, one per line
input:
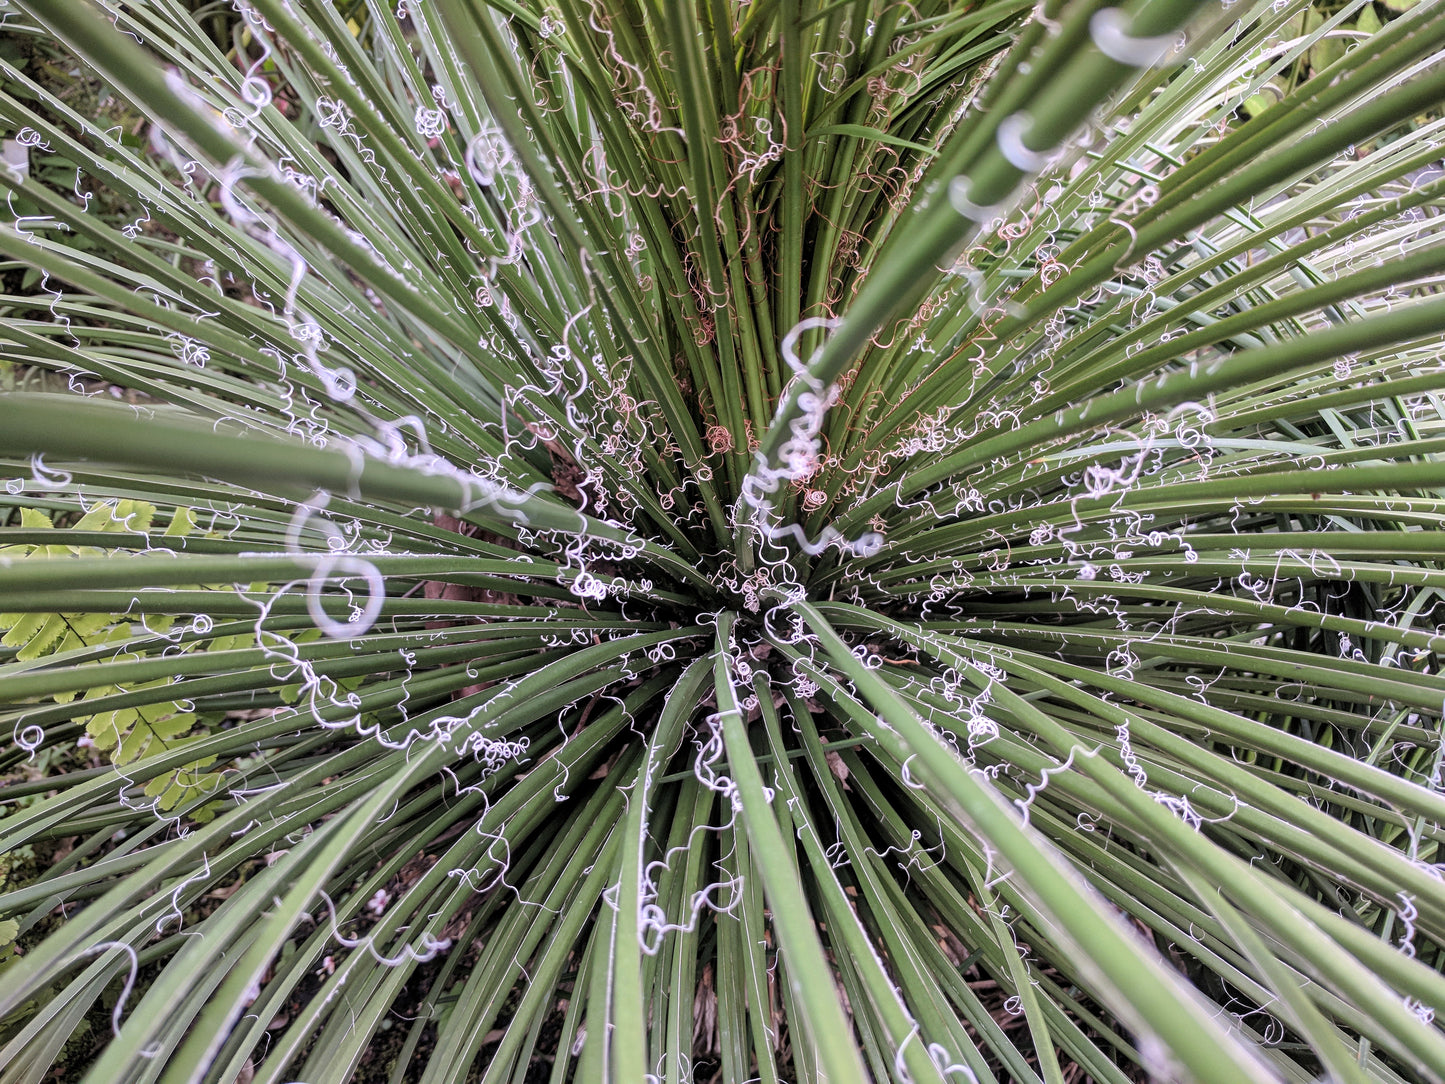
<point x="721" y="541"/>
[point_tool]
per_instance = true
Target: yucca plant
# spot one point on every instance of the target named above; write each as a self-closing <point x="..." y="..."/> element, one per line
<point x="666" y="541"/>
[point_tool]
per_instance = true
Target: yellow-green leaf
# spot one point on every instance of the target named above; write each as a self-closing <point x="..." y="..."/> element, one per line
<point x="127" y="733"/>
<point x="185" y="784"/>
<point x="182" y="523"/>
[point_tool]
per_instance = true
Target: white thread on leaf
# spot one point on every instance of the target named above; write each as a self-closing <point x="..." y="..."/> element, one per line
<point x="958" y="198"/>
<point x="1010" y="137"/>
<point x="1108" y="30"/>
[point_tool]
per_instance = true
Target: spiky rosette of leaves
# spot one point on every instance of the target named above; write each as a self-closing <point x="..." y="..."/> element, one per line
<point x="725" y="541"/>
